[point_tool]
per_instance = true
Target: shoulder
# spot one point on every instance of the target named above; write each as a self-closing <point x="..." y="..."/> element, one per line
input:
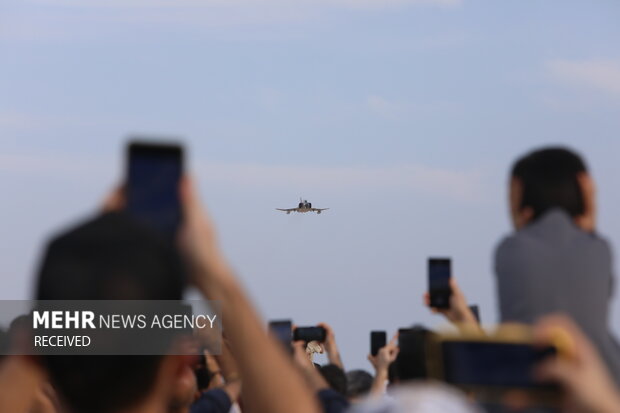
<point x="514" y="244"/>
<point x="520" y="254"/>
<point x="598" y="243"/>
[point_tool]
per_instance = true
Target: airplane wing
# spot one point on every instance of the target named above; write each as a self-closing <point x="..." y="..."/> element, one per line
<point x="319" y="209"/>
<point x="287" y="210"/>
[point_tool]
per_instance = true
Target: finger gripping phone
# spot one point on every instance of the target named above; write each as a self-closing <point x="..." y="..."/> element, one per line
<point x="439" y="274"/>
<point x="309" y="334"/>
<point x="378" y="340"/>
<point x="154" y="171"/>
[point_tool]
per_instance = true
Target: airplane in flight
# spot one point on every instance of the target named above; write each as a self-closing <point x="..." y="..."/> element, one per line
<point x="304" y="206"/>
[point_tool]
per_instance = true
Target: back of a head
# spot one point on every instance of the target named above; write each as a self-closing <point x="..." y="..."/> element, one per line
<point x="4" y="343"/>
<point x="549" y="178"/>
<point x="111" y="257"/>
<point x="359" y="383"/>
<point x="335" y="377"/>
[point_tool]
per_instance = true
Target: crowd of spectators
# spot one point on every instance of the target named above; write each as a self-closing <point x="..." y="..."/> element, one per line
<point x="553" y="273"/>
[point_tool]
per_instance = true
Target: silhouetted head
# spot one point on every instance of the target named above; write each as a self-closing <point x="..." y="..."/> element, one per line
<point x="551" y="178"/>
<point x="335" y="377"/>
<point x="111" y="257"/>
<point x="359" y="383"/>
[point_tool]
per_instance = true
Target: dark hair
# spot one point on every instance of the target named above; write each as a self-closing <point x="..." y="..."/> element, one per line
<point x="549" y="180"/>
<point x="335" y="377"/>
<point x="359" y="383"/>
<point x="4" y="343"/>
<point x="109" y="257"/>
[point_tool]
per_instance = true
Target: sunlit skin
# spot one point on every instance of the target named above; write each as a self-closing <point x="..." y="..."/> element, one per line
<point x="184" y="390"/>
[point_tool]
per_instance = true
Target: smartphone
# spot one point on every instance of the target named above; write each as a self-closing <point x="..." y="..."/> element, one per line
<point x="283" y="331"/>
<point x="492" y="364"/>
<point x="476" y="311"/>
<point x="378" y="340"/>
<point x="309" y="334"/>
<point x="439" y="274"/>
<point x="410" y="364"/>
<point x="154" y="171"/>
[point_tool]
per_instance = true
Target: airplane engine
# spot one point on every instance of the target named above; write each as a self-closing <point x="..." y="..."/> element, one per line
<point x="318" y="212"/>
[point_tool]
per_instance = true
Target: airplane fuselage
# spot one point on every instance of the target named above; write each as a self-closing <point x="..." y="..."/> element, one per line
<point x="303" y="207"/>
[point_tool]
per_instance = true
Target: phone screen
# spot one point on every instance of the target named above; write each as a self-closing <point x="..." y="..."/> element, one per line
<point x="412" y="357"/>
<point x="439" y="273"/>
<point x="153" y="175"/>
<point x="492" y="364"/>
<point x="309" y="334"/>
<point x="283" y="331"/>
<point x="378" y="340"/>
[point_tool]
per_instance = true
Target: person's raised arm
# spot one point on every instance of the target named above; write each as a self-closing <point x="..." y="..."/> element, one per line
<point x="303" y="361"/>
<point x="230" y="372"/>
<point x="20" y="381"/>
<point x="331" y="348"/>
<point x="381" y="362"/>
<point x="271" y="382"/>
<point x="459" y="313"/>
<point x="331" y="401"/>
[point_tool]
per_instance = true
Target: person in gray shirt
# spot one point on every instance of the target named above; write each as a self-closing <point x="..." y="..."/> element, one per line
<point x="555" y="262"/>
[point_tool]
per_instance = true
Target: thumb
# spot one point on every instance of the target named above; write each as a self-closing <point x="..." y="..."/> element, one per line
<point x="189" y="199"/>
<point x="115" y="200"/>
<point x="555" y="370"/>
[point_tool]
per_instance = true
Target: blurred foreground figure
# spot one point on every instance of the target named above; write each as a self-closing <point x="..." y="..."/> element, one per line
<point x="555" y="262"/>
<point x="24" y="386"/>
<point x="418" y="398"/>
<point x="114" y="257"/>
<point x="110" y="257"/>
<point x="588" y="387"/>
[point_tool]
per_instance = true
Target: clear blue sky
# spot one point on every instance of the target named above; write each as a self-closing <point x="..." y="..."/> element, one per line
<point x="402" y="116"/>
